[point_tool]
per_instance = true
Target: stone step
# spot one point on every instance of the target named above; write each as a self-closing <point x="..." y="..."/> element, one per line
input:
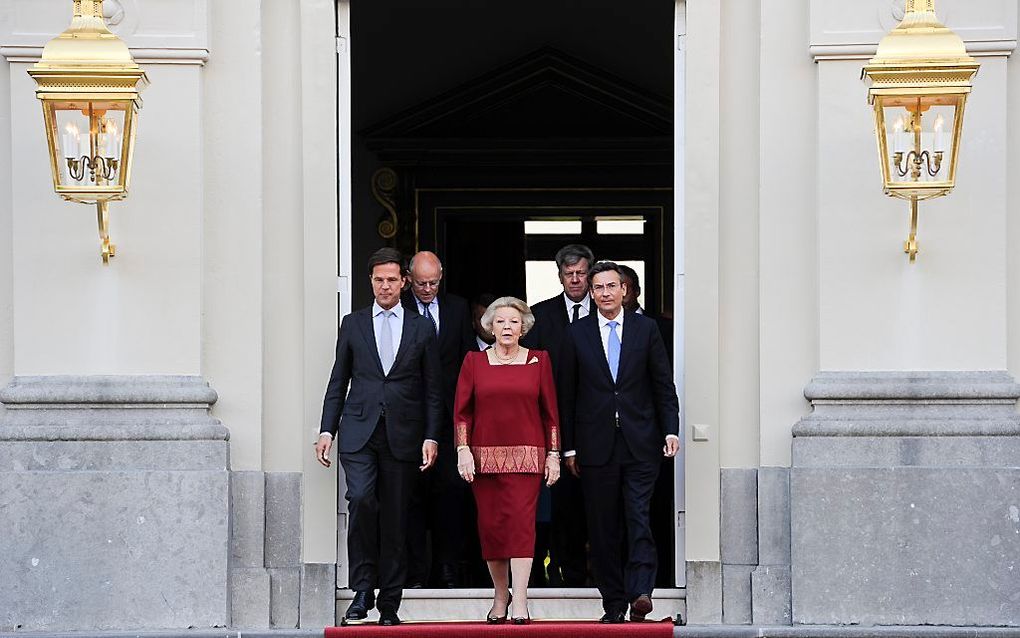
<point x="472" y="604"/>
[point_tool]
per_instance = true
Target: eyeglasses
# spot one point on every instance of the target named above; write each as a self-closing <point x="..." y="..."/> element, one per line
<point x="425" y="284"/>
<point x="611" y="287"/>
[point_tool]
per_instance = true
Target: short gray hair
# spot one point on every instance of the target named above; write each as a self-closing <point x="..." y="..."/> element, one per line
<point x="573" y="253"/>
<point x="527" y="317"/>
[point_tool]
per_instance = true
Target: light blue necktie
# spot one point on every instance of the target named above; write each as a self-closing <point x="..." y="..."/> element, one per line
<point x="613" y="349"/>
<point x="386" y="342"/>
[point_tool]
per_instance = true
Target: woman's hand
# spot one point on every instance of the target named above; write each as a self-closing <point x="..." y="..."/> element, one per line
<point x="552" y="469"/>
<point x="465" y="463"/>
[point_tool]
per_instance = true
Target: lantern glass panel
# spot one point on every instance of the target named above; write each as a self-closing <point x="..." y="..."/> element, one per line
<point x="89" y="140"/>
<point x="919" y="143"/>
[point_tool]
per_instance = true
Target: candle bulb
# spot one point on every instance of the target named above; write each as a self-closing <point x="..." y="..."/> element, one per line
<point x="70" y="140"/>
<point x="112" y="140"/>
<point x="939" y="122"/>
<point x="899" y="137"/>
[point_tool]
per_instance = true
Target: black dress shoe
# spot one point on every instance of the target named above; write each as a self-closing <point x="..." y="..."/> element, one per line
<point x="612" y="618"/>
<point x="363" y="601"/>
<point x="641" y="607"/>
<point x="388" y="618"/>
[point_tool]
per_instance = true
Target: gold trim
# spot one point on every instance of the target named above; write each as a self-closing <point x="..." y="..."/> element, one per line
<point x="509" y="459"/>
<point x="384" y="190"/>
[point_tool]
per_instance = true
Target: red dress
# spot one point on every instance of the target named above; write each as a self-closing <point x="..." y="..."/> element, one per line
<point x="507" y="415"/>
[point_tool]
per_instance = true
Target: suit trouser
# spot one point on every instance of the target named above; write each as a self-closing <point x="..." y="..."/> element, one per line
<point x="438" y="502"/>
<point x="618" y="497"/>
<point x="568" y="533"/>
<point x="378" y="490"/>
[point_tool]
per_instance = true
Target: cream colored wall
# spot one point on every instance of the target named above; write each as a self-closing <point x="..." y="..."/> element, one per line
<point x="6" y="233"/>
<point x="319" y="265"/>
<point x="271" y="240"/>
<point x="878" y="311"/>
<point x="701" y="352"/>
<point x="788" y="225"/>
<point x="141" y="314"/>
<point x="1013" y="217"/>
<point x="232" y="230"/>
<point x="739" y="171"/>
<point x="284" y="438"/>
<point x="794" y="259"/>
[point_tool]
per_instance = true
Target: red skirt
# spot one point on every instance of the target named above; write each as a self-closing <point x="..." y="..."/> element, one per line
<point x="506" y="514"/>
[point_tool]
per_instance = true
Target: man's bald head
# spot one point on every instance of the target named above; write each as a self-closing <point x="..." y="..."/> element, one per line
<point x="426" y="272"/>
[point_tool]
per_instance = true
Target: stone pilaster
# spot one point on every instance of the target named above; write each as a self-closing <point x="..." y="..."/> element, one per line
<point x="114" y="504"/>
<point x="905" y="491"/>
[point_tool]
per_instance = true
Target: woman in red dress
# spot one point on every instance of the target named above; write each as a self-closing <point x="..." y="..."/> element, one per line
<point x="507" y="435"/>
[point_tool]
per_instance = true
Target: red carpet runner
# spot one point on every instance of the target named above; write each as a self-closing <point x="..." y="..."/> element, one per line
<point x="537" y="629"/>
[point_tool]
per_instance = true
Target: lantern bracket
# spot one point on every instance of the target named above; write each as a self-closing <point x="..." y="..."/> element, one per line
<point x="107" y="249"/>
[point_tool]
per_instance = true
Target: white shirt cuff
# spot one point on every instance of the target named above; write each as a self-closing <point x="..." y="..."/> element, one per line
<point x="672" y="436"/>
<point x="569" y="453"/>
<point x="432" y="441"/>
<point x="322" y="434"/>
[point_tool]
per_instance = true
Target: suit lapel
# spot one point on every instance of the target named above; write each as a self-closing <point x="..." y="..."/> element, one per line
<point x="629" y="342"/>
<point x="444" y="319"/>
<point x="406" y="337"/>
<point x="595" y="342"/>
<point x="368" y="333"/>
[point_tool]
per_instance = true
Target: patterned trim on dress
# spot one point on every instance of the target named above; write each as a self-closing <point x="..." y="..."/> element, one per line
<point x="461" y="434"/>
<point x="504" y="459"/>
<point x="554" y="439"/>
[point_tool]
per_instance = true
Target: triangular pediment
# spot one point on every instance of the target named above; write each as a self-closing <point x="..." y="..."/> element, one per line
<point x="544" y="95"/>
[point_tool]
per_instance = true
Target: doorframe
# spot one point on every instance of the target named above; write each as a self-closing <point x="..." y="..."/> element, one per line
<point x="345" y="214"/>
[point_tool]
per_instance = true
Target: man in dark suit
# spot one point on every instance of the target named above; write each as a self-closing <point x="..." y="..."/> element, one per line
<point x="568" y="565"/>
<point x="387" y="420"/>
<point x="620" y="415"/>
<point x="440" y="497"/>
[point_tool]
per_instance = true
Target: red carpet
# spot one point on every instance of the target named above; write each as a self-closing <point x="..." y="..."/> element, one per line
<point x="537" y="629"/>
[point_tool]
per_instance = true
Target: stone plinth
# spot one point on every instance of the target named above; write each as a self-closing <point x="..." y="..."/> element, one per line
<point x="114" y="499"/>
<point x="905" y="491"/>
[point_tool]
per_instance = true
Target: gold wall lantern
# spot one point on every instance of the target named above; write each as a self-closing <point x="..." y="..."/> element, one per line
<point x="89" y="86"/>
<point x="919" y="81"/>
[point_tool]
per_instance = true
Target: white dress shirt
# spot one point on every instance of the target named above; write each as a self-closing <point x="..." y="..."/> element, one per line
<point x="396" y="326"/>
<point x="604" y="330"/>
<point x="582" y="312"/>
<point x="433" y="310"/>
<point x="482" y="344"/>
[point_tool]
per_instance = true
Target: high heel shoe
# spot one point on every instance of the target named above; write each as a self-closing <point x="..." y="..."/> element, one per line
<point x="520" y="620"/>
<point x="499" y="620"/>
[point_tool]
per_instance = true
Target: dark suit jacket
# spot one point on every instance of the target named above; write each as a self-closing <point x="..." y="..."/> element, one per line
<point x="644" y="394"/>
<point x="410" y="394"/>
<point x="551" y="322"/>
<point x="456" y="338"/>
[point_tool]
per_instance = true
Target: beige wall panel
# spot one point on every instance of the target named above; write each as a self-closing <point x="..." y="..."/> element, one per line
<point x="878" y="311"/>
<point x="738" y="235"/>
<point x="854" y="28"/>
<point x="232" y="274"/>
<point x="701" y="343"/>
<point x="284" y="437"/>
<point x="319" y="206"/>
<point x="1013" y="217"/>
<point x="140" y="314"/>
<point x="788" y="225"/>
<point x="6" y="232"/>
